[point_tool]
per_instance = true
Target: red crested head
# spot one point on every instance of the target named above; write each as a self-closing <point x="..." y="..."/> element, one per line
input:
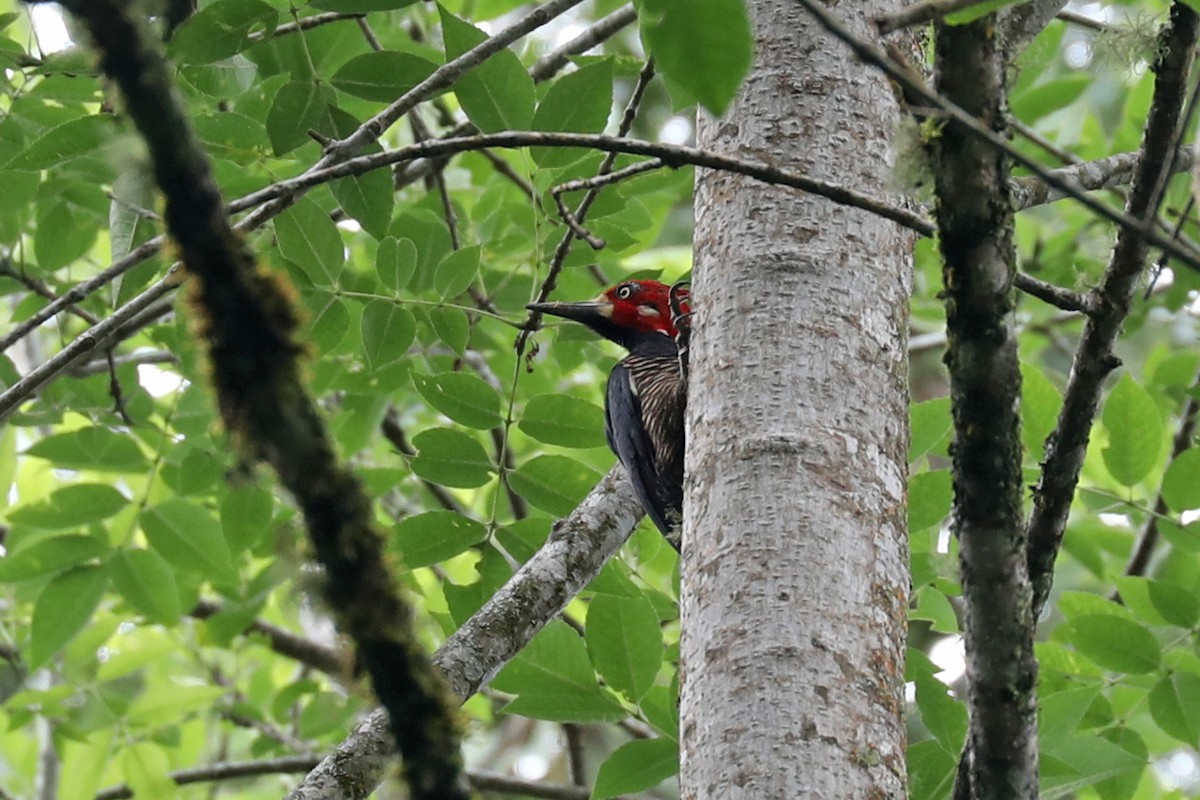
<point x="627" y="312"/>
<point x="644" y="306"/>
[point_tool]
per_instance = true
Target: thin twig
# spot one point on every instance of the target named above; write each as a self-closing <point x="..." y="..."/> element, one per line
<point x="601" y="180"/>
<point x="1094" y="358"/>
<point x="81" y="290"/>
<point x="1056" y="296"/>
<point x="1082" y="20"/>
<point x="149" y="357"/>
<point x="1143" y="229"/>
<point x="922" y="12"/>
<point x="596" y="34"/>
<point x="564" y="245"/>
<point x="302" y="24"/>
<point x="286" y="643"/>
<point x="1148" y="538"/>
<point x="394" y="433"/>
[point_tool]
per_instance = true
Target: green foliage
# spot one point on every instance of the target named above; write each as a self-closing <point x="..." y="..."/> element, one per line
<point x="115" y="528"/>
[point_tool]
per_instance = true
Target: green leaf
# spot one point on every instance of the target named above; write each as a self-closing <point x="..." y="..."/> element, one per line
<point x="579" y="101"/>
<point x="83" y="137"/>
<point x="71" y="506"/>
<point x="1175" y="706"/>
<point x="1135" y="432"/>
<point x="706" y="54"/>
<point x="978" y="11"/>
<point x="368" y="199"/>
<point x="49" y="556"/>
<point x="452" y="327"/>
<point x="563" y="420"/>
<point x="387" y="332"/>
<point x="451" y="458"/>
<point x="329" y="320"/>
<point x="147" y="583"/>
<point x="930" y="769"/>
<point x="930" y="424"/>
<point x="145" y="768"/>
<point x="1115" y="643"/>
<point x="945" y="717"/>
<point x="1040" y="403"/>
<point x="464" y="398"/>
<point x="929" y="497"/>
<point x="553" y="483"/>
<point x="245" y="516"/>
<point x="1046" y="98"/>
<point x="220" y="30"/>
<point x="1181" y="483"/>
<point x="96" y="448"/>
<point x="625" y="642"/>
<point x="636" y="766"/>
<point x="310" y="239"/>
<point x="498" y="94"/>
<point x="382" y="76"/>
<point x="396" y="262"/>
<point x="1160" y="603"/>
<point x="1084" y="760"/>
<point x="63" y="608"/>
<point x="456" y="272"/>
<point x="361" y="6"/>
<point x="436" y="536"/>
<point x="297" y="108"/>
<point x="554" y="680"/>
<point x="1061" y="712"/>
<point x="190" y="539"/>
<point x="933" y="606"/>
<point x="165" y="704"/>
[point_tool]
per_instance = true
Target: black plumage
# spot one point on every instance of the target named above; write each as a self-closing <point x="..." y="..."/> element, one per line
<point x="643" y="416"/>
<point x="647" y="391"/>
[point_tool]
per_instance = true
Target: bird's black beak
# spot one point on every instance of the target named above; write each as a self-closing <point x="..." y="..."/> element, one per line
<point x="591" y="313"/>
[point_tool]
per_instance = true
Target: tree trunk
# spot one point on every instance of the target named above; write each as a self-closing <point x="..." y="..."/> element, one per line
<point x="795" y="580"/>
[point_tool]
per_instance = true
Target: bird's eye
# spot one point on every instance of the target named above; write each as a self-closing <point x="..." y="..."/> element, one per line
<point x="625" y="291"/>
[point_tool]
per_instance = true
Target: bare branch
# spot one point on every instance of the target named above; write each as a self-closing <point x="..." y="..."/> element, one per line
<point x="578" y="547"/>
<point x="1056" y="296"/>
<point x="922" y="12"/>
<point x="672" y="155"/>
<point x="599" y="32"/>
<point x="1094" y="358"/>
<point x="1139" y="559"/>
<point x="1021" y="24"/>
<point x="302" y="24"/>
<point x="286" y="643"/>
<point x="1109" y="172"/>
<point x="1144" y="230"/>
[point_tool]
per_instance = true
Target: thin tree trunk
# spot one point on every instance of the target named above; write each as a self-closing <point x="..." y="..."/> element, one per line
<point x="795" y="580"/>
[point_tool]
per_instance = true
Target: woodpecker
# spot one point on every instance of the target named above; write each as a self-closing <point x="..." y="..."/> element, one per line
<point x="647" y="390"/>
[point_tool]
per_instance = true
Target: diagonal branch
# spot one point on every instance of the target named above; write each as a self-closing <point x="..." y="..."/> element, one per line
<point x="1144" y="230"/>
<point x="579" y="546"/>
<point x="249" y="325"/>
<point x="1094" y="359"/>
<point x="1147" y="540"/>
<point x="543" y="69"/>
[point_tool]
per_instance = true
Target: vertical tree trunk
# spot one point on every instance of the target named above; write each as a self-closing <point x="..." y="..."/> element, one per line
<point x="795" y="575"/>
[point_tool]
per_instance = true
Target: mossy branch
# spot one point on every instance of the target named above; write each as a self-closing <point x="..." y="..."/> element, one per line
<point x="249" y="323"/>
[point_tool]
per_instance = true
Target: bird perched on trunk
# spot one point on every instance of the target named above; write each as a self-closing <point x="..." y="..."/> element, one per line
<point x="647" y="390"/>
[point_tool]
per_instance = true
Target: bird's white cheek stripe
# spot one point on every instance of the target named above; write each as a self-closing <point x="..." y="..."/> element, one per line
<point x="647" y="311"/>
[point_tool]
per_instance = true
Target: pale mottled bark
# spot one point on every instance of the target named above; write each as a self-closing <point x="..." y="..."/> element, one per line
<point x="473" y="654"/>
<point x="794" y="567"/>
